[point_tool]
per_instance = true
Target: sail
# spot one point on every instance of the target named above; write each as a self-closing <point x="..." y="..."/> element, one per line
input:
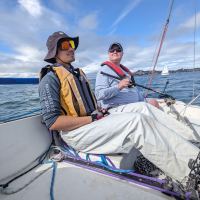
<point x="165" y="71"/>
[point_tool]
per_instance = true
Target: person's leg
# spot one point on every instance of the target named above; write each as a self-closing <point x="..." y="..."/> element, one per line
<point x="120" y="133"/>
<point x="158" y="115"/>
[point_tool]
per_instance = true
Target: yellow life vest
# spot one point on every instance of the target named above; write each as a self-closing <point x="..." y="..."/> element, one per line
<point x="70" y="97"/>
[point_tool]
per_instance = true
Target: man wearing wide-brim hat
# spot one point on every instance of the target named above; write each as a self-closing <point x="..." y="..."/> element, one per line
<point x="52" y="45"/>
<point x="69" y="107"/>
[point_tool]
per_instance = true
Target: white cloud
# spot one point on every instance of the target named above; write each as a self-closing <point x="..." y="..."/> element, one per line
<point x="112" y="31"/>
<point x="65" y="6"/>
<point x="89" y="22"/>
<point x="33" y="7"/>
<point x="185" y="29"/>
<point x="191" y="22"/>
<point x="28" y="53"/>
<point x="19" y="75"/>
<point x="125" y="12"/>
<point x="18" y="64"/>
<point x="26" y="37"/>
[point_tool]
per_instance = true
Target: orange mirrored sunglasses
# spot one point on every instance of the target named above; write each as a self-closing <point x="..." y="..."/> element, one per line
<point x="65" y="45"/>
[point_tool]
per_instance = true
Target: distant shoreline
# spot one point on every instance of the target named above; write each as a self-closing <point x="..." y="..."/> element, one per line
<point x="142" y="72"/>
<point x="13" y="80"/>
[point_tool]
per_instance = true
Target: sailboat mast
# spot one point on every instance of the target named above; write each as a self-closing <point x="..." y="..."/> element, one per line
<point x="161" y="42"/>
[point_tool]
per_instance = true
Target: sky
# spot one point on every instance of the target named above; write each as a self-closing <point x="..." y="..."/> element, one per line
<point x="137" y="24"/>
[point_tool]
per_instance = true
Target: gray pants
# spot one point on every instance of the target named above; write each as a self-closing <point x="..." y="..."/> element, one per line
<point x="159" y="137"/>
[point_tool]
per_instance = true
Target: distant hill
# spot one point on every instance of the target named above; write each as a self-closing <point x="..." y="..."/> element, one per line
<point x="5" y="81"/>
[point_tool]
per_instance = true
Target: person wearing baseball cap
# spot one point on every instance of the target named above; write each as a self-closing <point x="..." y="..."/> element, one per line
<point x="69" y="108"/>
<point x="121" y="90"/>
<point x="115" y="45"/>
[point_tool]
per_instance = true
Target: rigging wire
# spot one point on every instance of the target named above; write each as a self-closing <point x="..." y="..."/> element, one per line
<point x="187" y="105"/>
<point x="161" y="43"/>
<point x="194" y="45"/>
<point x="194" y="61"/>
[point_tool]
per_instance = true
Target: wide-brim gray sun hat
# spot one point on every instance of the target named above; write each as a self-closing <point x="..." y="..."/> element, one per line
<point x="52" y="45"/>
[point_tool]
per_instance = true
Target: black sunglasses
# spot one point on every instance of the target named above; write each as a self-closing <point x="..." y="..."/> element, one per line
<point x="115" y="49"/>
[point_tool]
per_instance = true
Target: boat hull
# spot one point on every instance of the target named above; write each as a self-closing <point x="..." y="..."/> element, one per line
<point x="22" y="141"/>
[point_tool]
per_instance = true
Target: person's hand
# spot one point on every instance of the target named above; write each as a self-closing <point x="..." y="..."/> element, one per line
<point x="98" y="114"/>
<point x="104" y="111"/>
<point x="124" y="83"/>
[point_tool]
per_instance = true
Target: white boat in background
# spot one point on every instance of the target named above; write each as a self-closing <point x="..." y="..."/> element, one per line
<point x="23" y="145"/>
<point x="165" y="71"/>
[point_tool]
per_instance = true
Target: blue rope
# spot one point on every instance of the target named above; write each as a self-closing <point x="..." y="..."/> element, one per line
<point x="69" y="150"/>
<point x="88" y="157"/>
<point x="74" y="152"/>
<point x="103" y="159"/>
<point x="112" y="169"/>
<point x="54" y="166"/>
<point x="104" y="163"/>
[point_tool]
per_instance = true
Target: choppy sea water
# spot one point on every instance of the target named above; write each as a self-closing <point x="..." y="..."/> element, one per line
<point x="20" y="100"/>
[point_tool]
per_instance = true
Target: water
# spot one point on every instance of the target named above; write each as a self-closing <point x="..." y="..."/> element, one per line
<point x="17" y="101"/>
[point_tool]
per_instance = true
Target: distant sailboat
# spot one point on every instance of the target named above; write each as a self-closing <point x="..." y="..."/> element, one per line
<point x="165" y="71"/>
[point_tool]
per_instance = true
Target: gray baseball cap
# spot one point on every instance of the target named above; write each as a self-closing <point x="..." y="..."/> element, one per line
<point x="52" y="45"/>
